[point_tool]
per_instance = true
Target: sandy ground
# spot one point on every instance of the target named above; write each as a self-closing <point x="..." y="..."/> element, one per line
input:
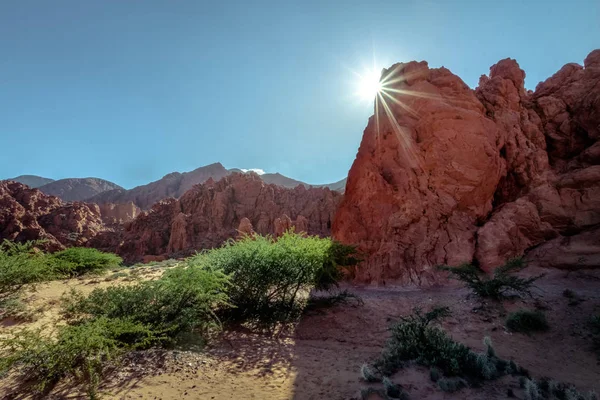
<point x="322" y="357"/>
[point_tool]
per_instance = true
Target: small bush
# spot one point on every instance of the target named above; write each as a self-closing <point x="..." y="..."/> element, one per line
<point x="367" y="374"/>
<point x="547" y="388"/>
<point x="269" y="276"/>
<point x="77" y="261"/>
<point x="392" y="390"/>
<point x="21" y="265"/>
<point x="531" y="390"/>
<point x="527" y="321"/>
<point x="80" y="352"/>
<point x="500" y="285"/>
<point x="416" y="338"/>
<point x="184" y="299"/>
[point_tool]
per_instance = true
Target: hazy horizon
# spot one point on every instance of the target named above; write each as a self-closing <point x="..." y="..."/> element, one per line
<point x="129" y="92"/>
<point x="258" y="171"/>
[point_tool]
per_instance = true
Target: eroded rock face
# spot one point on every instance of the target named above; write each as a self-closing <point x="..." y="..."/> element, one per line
<point x="118" y="213"/>
<point x="445" y="174"/>
<point x="28" y="214"/>
<point x="210" y="213"/>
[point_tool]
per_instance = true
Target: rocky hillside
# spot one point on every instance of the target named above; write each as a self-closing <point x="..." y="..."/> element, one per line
<point x="29" y="214"/>
<point x="33" y="181"/>
<point x="210" y="213"/>
<point x="176" y="184"/>
<point x="78" y="189"/>
<point x="173" y="185"/>
<point x="446" y="174"/>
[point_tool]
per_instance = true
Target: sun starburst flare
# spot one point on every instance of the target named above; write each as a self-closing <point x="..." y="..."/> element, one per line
<point x="384" y="91"/>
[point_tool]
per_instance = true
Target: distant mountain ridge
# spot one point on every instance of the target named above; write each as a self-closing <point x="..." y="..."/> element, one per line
<point x="78" y="189"/>
<point x="33" y="181"/>
<point x="174" y="184"/>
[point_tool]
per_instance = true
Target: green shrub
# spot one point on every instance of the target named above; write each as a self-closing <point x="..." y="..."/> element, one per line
<point x="392" y="390"/>
<point x="501" y="284"/>
<point x="367" y="374"/>
<point x="269" y="276"/>
<point x="20" y="265"/>
<point x="77" y="261"/>
<point x="547" y="388"/>
<point x="80" y="352"/>
<point x="527" y="321"/>
<point x="415" y="338"/>
<point x="184" y="299"/>
<point x="531" y="390"/>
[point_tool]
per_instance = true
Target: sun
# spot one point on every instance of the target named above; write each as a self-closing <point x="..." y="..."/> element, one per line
<point x="368" y="84"/>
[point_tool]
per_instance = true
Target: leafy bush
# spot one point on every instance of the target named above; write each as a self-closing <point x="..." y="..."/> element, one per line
<point x="547" y="388"/>
<point x="184" y="299"/>
<point x="77" y="261"/>
<point x="499" y="285"/>
<point x="367" y="374"/>
<point x="415" y="339"/>
<point x="532" y="392"/>
<point x="21" y="265"/>
<point x="392" y="390"/>
<point x="269" y="276"/>
<point x="527" y="321"/>
<point x="80" y="352"/>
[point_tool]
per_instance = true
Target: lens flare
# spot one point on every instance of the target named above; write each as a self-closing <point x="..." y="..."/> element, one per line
<point x="391" y="97"/>
<point x="368" y="85"/>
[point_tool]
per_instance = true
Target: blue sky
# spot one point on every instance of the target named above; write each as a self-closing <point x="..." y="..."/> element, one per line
<point x="132" y="90"/>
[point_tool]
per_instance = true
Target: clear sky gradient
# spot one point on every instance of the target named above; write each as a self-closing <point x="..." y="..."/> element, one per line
<point x="131" y="90"/>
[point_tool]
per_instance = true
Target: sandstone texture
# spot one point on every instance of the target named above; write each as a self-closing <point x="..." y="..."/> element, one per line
<point x="210" y="213"/>
<point x="175" y="184"/>
<point x="28" y="214"/>
<point x="446" y="174"/>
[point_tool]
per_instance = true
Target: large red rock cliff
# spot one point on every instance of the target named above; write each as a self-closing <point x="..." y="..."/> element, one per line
<point x="445" y="174"/>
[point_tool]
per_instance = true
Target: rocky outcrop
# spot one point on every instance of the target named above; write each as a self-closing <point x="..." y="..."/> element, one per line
<point x="78" y="189"/>
<point x="445" y="174"/>
<point x="28" y="214"/>
<point x="115" y="214"/>
<point x="176" y="184"/>
<point x="210" y="213"/>
<point x="172" y="185"/>
<point x="579" y="251"/>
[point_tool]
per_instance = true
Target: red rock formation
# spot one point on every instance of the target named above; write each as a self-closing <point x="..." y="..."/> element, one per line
<point x="245" y="228"/>
<point x="118" y="213"/>
<point x="445" y="174"/>
<point x="29" y="214"/>
<point x="208" y="214"/>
